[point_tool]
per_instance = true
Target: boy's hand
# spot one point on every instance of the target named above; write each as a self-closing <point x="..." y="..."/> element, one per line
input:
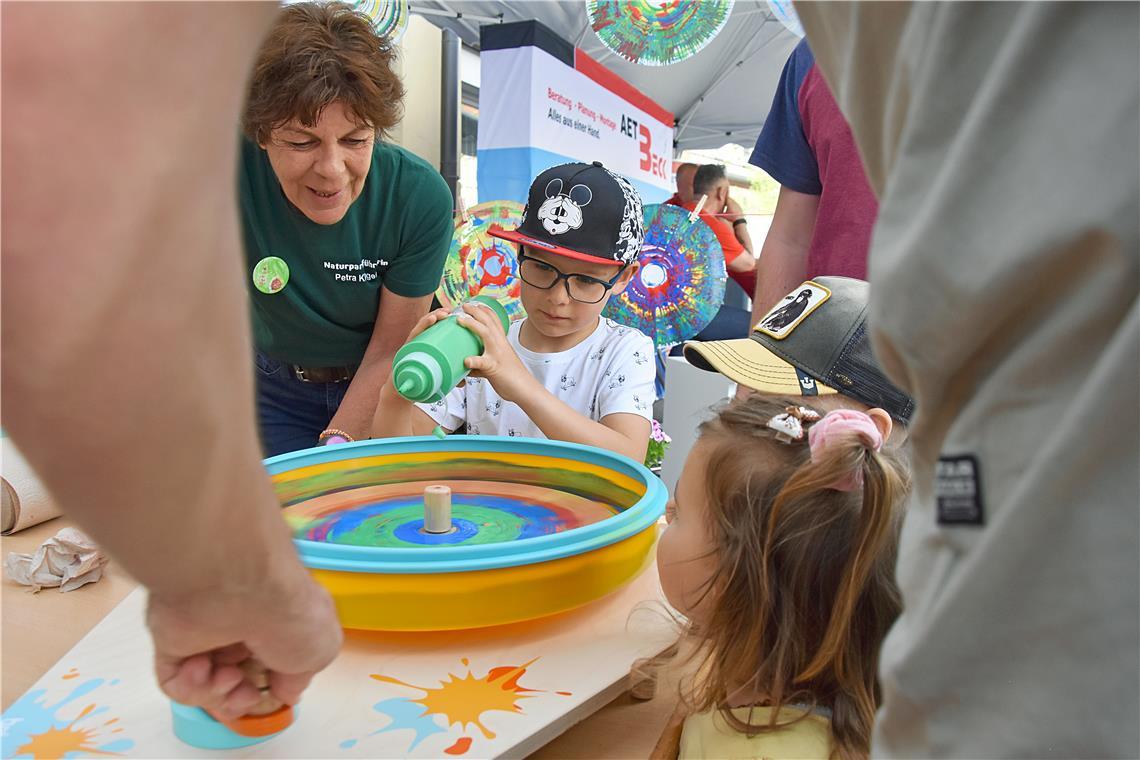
<point x="426" y="321"/>
<point x="499" y="363"/>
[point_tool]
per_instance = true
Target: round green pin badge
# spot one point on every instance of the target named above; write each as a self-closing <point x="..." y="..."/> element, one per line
<point x="270" y="275"/>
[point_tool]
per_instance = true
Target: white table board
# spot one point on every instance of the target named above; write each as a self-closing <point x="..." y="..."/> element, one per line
<point x="493" y="692"/>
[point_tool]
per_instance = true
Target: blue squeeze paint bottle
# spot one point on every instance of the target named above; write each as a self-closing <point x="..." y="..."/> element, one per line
<point x="428" y="366"/>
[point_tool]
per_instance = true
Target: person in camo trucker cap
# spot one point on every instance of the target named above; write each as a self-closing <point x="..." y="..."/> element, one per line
<point x="812" y="343"/>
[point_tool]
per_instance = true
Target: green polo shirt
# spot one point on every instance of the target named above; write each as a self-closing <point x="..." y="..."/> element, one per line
<point x="396" y="235"/>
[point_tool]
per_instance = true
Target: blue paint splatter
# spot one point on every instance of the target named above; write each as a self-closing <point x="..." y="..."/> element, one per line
<point x="405" y="714"/>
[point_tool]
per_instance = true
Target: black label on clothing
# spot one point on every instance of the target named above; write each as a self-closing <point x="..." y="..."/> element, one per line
<point x="958" y="491"/>
<point x="807" y="383"/>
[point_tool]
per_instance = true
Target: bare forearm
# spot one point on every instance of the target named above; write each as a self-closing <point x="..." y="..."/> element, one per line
<point x="125" y="337"/>
<point x="784" y="257"/>
<point x="742" y="263"/>
<point x="559" y="421"/>
<point x="744" y="238"/>
<point x="361" y="410"/>
<point x="396" y="416"/>
<point x="780" y="268"/>
<point x="356" y="412"/>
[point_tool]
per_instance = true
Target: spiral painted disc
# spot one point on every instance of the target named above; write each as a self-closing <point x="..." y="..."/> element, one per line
<point x="479" y="264"/>
<point x="483" y="512"/>
<point x="389" y="17"/>
<point x="679" y="286"/>
<point x="657" y="33"/>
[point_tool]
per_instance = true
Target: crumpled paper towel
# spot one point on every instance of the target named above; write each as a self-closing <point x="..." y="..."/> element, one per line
<point x="68" y="559"/>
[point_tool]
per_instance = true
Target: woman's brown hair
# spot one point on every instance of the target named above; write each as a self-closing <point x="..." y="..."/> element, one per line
<point x="316" y="54"/>
<point x="803" y="592"/>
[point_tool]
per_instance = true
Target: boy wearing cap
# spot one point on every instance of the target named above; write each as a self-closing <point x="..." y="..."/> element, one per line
<point x="563" y="372"/>
<point x="813" y="342"/>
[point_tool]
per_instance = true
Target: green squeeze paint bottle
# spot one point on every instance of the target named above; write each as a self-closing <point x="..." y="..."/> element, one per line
<point x="431" y="364"/>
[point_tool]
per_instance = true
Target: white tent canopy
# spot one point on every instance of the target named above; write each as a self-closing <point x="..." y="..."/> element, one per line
<point x="720" y="95"/>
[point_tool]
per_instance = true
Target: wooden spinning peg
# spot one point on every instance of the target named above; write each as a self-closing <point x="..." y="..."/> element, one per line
<point x="437" y="509"/>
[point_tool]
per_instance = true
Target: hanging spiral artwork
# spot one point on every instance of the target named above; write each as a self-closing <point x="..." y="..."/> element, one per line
<point x="389" y="17"/>
<point x="679" y="285"/>
<point x="657" y="33"/>
<point x="479" y="264"/>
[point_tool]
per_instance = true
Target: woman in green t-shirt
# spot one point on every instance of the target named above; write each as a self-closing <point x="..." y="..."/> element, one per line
<point x="345" y="235"/>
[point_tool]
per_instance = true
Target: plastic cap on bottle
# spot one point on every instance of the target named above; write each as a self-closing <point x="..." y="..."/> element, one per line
<point x="418" y="377"/>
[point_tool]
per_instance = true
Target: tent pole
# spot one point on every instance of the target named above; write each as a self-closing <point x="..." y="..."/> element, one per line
<point x="449" y="111"/>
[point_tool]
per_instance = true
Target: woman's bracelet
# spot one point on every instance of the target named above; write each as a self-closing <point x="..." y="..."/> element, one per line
<point x="739" y="221"/>
<point x="333" y="432"/>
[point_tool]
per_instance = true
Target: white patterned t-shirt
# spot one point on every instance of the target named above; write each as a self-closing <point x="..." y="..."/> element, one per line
<point x="610" y="372"/>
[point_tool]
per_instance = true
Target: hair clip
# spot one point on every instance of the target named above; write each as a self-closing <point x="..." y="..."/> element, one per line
<point x="802" y="413"/>
<point x="787" y="426"/>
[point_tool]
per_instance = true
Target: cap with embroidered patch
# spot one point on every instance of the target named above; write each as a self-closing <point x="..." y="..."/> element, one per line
<point x="583" y="211"/>
<point x="813" y="342"/>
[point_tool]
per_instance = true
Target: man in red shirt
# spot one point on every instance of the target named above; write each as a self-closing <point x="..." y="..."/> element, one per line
<point x="726" y="219"/>
<point x="684" y="192"/>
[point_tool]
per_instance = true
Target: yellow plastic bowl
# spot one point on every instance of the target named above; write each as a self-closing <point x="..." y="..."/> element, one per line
<point x="449" y="587"/>
<point x="477" y="598"/>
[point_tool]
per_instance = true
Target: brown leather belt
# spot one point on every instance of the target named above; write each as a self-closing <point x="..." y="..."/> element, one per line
<point x="322" y="374"/>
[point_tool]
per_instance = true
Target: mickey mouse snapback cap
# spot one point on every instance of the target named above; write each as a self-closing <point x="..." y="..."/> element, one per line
<point x="814" y="342"/>
<point x="583" y="211"/>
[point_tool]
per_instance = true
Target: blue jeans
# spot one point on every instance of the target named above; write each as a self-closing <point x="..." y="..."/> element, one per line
<point x="292" y="413"/>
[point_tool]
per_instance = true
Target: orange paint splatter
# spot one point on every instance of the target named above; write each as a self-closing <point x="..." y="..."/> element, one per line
<point x="57" y="742"/>
<point x="73" y="673"/>
<point x="112" y="720"/>
<point x="465" y="699"/>
<point x="564" y="693"/>
<point x="462" y="744"/>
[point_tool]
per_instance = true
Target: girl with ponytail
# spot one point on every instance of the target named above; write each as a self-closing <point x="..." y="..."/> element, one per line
<point x="780" y="554"/>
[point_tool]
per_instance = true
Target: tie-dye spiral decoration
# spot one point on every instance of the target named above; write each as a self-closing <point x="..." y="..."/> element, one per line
<point x="479" y="264"/>
<point x="389" y="17"/>
<point x="483" y="512"/>
<point x="680" y="284"/>
<point x="657" y="33"/>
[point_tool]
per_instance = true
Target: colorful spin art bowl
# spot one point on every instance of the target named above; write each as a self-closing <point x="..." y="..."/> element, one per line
<point x="539" y="527"/>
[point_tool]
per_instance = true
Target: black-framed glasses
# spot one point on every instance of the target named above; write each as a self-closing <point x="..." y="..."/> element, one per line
<point x="580" y="287"/>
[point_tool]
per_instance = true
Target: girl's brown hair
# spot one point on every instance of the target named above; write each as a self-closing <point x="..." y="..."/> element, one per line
<point x="803" y="591"/>
<point x="315" y="54"/>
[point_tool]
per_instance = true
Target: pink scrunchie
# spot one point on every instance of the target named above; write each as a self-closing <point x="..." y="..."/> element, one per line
<point x="835" y="425"/>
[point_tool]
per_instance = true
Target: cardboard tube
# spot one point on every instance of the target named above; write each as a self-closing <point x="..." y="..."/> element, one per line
<point x="24" y="501"/>
<point x="437" y="509"/>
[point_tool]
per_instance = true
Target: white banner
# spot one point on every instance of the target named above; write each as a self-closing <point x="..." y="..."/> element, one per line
<point x="539" y="102"/>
